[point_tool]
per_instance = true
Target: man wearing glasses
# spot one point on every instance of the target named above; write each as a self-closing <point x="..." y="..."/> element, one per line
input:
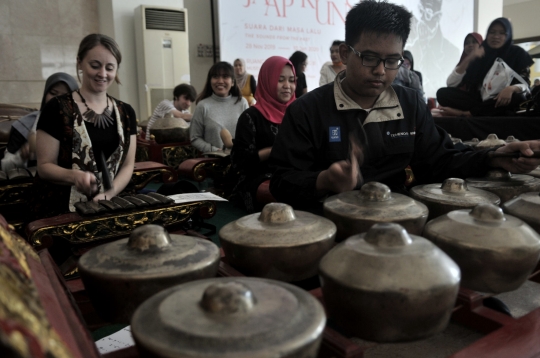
<point x="360" y="128"/>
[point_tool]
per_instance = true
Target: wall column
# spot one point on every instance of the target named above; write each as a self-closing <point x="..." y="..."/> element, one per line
<point x="485" y="11"/>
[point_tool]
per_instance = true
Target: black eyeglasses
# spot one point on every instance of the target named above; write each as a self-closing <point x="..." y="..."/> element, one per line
<point x="373" y="61"/>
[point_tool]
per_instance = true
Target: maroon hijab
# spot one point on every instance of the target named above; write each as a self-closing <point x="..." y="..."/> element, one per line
<point x="478" y="39"/>
<point x="266" y="95"/>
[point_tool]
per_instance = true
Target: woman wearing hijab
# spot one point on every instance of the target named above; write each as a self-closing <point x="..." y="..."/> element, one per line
<point x="245" y="81"/>
<point x="19" y="149"/>
<point x="409" y="64"/>
<point x="470" y="47"/>
<point x="498" y="43"/>
<point x="299" y="61"/>
<point x="258" y="126"/>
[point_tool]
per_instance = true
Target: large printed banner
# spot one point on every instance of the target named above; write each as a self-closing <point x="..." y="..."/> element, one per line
<point x="257" y="29"/>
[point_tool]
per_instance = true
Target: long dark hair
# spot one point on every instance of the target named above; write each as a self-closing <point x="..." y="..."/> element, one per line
<point x="220" y="69"/>
<point x="297" y="60"/>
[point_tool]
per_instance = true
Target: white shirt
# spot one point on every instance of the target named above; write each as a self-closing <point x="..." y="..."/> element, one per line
<point x="161" y="110"/>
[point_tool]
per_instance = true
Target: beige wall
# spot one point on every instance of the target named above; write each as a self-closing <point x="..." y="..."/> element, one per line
<point x="524" y="16"/>
<point x="200" y="32"/>
<point x="485" y="12"/>
<point x="116" y="20"/>
<point x="37" y="39"/>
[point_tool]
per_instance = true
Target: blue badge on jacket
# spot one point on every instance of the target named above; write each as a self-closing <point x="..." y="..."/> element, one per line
<point x="335" y="134"/>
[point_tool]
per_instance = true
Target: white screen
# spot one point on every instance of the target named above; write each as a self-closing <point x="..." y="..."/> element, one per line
<point x="257" y="29"/>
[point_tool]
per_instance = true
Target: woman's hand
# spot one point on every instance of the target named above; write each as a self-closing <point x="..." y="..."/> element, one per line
<point x="226" y="138"/>
<point x="25" y="151"/>
<point x="505" y="96"/>
<point x="264" y="154"/>
<point x="477" y="53"/>
<point x="85" y="182"/>
<point x="104" y="196"/>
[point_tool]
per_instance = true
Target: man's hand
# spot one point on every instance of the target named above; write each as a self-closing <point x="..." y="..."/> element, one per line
<point x="343" y="175"/>
<point x="518" y="165"/>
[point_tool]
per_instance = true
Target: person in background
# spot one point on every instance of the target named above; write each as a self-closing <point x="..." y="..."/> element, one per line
<point x="21" y="144"/>
<point x="257" y="129"/>
<point x="408" y="78"/>
<point x="79" y="127"/>
<point x="218" y="107"/>
<point x="364" y="129"/>
<point x="245" y="81"/>
<point x="470" y="46"/>
<point x="408" y="63"/>
<point x="299" y="60"/>
<point x="468" y="102"/>
<point x="183" y="95"/>
<point x="536" y="83"/>
<point x="330" y="69"/>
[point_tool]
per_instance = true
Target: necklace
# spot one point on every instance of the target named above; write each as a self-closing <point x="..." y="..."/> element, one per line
<point x="102" y="120"/>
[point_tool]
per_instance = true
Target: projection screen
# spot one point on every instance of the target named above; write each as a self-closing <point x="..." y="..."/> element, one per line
<point x="257" y="29"/>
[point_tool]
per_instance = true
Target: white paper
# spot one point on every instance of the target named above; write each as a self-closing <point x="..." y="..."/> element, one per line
<point x="119" y="340"/>
<point x="190" y="197"/>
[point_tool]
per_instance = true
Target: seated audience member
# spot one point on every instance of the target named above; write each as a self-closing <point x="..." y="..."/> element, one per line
<point x="218" y="107"/>
<point x="498" y="44"/>
<point x="471" y="45"/>
<point x="536" y="83"/>
<point x="408" y="63"/>
<point x="299" y="60"/>
<point x="77" y="128"/>
<point x="330" y="69"/>
<point x="364" y="129"/>
<point x="407" y="78"/>
<point x="257" y="129"/>
<point x="183" y="95"/>
<point x="23" y="131"/>
<point x="245" y="81"/>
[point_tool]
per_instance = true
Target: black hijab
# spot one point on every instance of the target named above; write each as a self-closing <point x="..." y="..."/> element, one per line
<point x="408" y="55"/>
<point x="516" y="57"/>
<point x="53" y="80"/>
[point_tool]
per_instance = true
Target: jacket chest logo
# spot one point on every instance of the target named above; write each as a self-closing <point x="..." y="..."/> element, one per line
<point x="334" y="134"/>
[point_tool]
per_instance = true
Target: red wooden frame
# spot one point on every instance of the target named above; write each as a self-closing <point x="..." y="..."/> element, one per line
<point x="60" y="311"/>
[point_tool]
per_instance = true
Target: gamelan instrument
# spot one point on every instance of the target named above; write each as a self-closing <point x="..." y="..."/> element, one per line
<point x="230" y="318"/>
<point x="386" y="285"/>
<point x="504" y="184"/>
<point x="452" y="194"/>
<point x="356" y="211"/>
<point x="114" y="218"/>
<point x="121" y="275"/>
<point x="15" y="192"/>
<point x="279" y="243"/>
<point x="526" y="207"/>
<point x="496" y="252"/>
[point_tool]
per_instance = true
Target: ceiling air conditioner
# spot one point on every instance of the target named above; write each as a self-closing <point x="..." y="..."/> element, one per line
<point x="161" y="36"/>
